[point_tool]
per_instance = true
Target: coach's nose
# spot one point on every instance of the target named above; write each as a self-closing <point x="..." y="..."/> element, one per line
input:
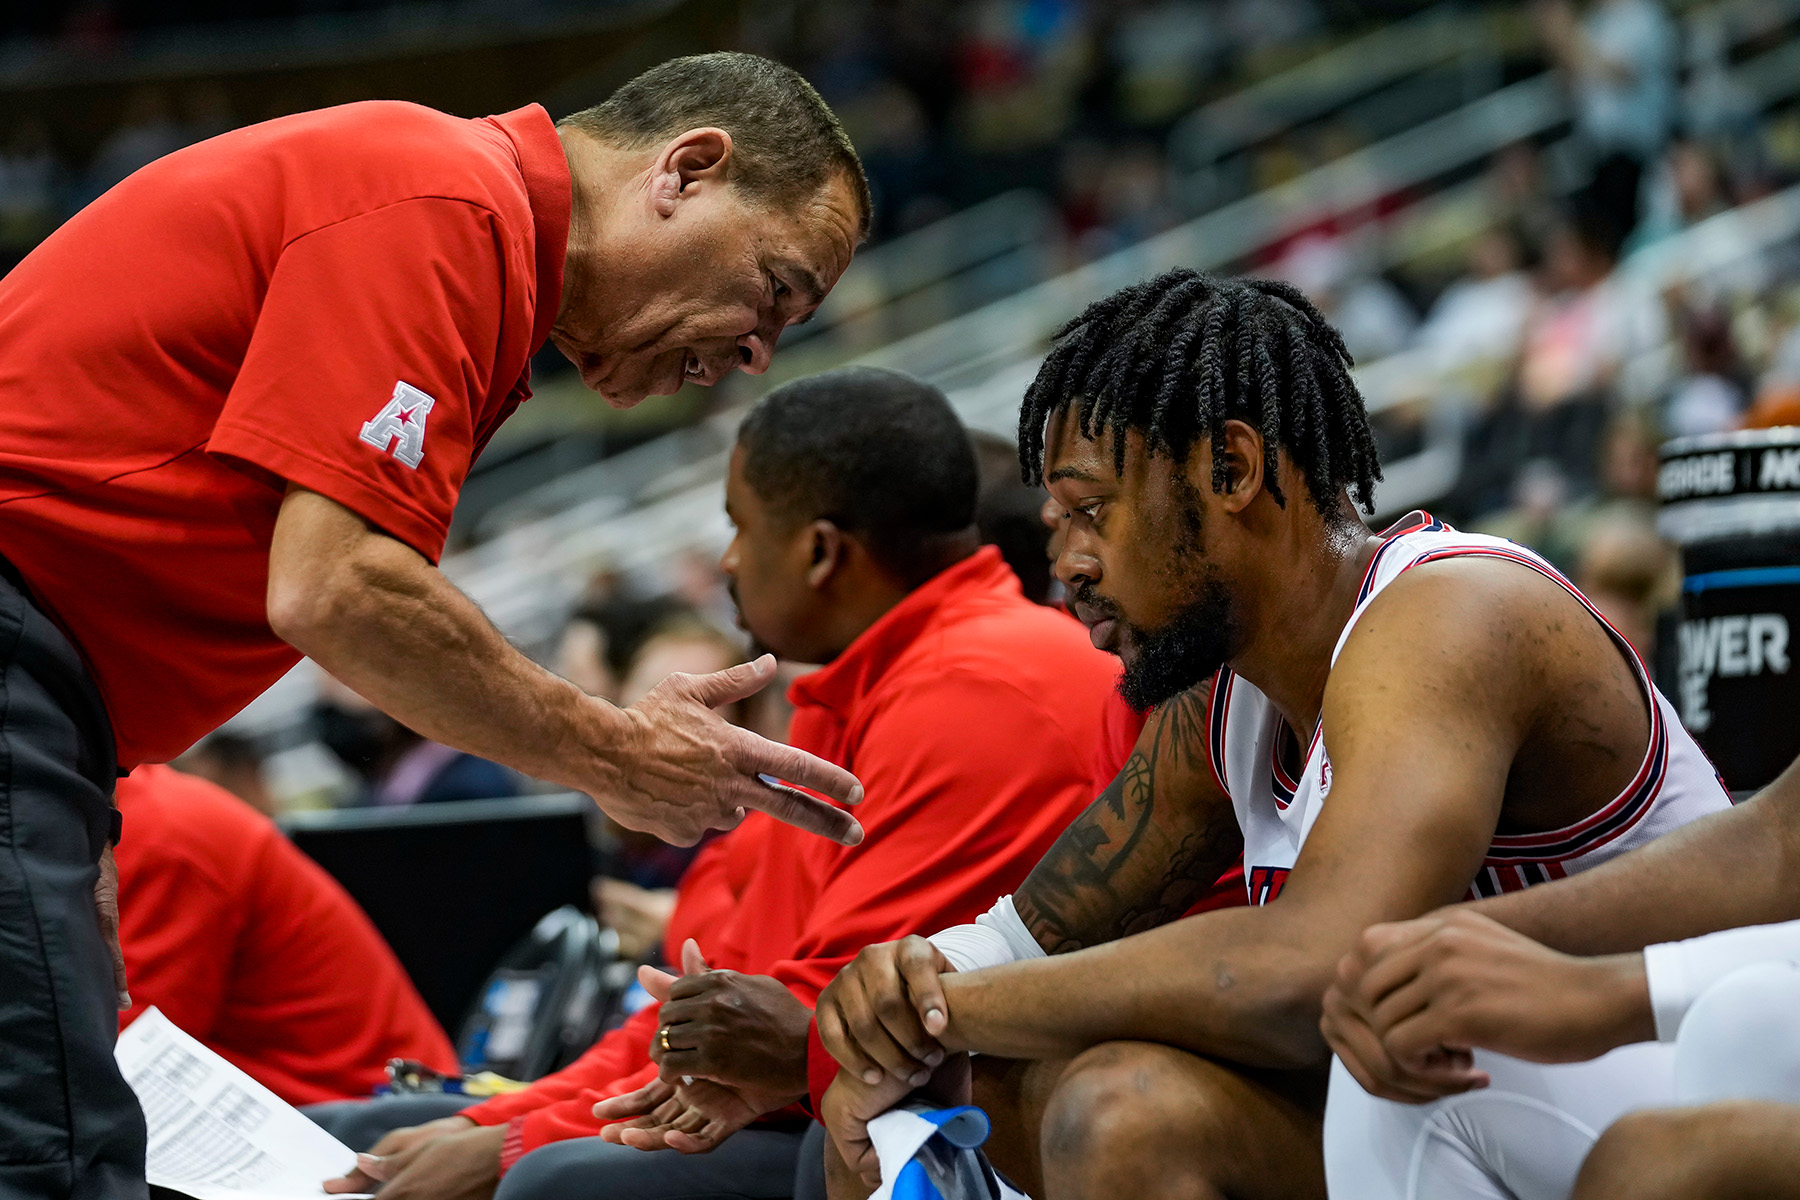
<point x="754" y="353"/>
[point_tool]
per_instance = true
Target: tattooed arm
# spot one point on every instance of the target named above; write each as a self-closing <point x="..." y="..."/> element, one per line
<point x="1142" y="853"/>
<point x="1138" y="857"/>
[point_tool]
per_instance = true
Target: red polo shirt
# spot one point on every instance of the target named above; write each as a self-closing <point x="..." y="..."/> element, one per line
<point x="346" y="300"/>
<point x="251" y="947"/>
<point x="968" y="713"/>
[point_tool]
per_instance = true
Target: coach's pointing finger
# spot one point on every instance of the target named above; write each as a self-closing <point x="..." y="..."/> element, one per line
<point x="796" y="808"/>
<point x="677" y="749"/>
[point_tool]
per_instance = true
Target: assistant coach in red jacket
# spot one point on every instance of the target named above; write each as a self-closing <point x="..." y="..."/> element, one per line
<point x="238" y="396"/>
<point x="967" y="711"/>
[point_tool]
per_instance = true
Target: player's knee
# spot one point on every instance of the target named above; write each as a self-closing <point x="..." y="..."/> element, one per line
<point x="1642" y="1156"/>
<point x="1124" y="1109"/>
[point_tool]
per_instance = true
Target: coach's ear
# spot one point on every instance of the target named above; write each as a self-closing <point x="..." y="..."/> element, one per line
<point x="1242" y="449"/>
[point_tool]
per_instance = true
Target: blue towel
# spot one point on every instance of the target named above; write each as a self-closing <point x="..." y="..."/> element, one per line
<point x="935" y="1154"/>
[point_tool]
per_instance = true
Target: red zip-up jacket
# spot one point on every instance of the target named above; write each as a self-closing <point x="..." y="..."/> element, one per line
<point x="970" y="715"/>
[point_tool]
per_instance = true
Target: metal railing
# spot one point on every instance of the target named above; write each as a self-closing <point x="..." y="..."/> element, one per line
<point x="1382" y="68"/>
<point x="526" y="576"/>
<point x="1003" y="245"/>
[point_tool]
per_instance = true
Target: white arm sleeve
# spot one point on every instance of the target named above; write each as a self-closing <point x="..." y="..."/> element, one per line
<point x="1679" y="971"/>
<point x="997" y="937"/>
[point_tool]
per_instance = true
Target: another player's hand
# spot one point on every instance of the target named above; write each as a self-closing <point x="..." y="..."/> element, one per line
<point x="1414" y="998"/>
<point x="690" y="1117"/>
<point x="396" y="1146"/>
<point x="737" y="1029"/>
<point x="106" y="906"/>
<point x="849" y="1105"/>
<point x="885" y="1012"/>
<point x="683" y="769"/>
<point x="1347" y="1027"/>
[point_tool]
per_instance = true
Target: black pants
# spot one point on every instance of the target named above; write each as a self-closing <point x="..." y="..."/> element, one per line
<point x="752" y="1164"/>
<point x="69" y="1124"/>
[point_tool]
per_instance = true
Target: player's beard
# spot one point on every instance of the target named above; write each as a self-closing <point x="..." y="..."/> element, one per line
<point x="1193" y="644"/>
<point x="1186" y="650"/>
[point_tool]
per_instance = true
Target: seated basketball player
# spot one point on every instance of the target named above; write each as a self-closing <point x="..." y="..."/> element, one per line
<point x="1621" y="954"/>
<point x="969" y="712"/>
<point x="1400" y="719"/>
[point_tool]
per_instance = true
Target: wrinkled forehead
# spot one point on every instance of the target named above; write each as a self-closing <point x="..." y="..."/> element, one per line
<point x="821" y="231"/>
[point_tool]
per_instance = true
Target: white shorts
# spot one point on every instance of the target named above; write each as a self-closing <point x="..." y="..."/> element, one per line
<point x="1525" y="1135"/>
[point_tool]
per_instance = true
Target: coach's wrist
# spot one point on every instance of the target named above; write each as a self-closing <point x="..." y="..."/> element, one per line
<point x="586" y="743"/>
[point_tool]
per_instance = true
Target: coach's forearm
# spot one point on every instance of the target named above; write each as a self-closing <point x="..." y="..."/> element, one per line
<point x="1227" y="984"/>
<point x="1730" y="869"/>
<point x="382" y="619"/>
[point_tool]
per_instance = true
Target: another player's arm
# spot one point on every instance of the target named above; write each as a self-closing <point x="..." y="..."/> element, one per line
<point x="1159" y="835"/>
<point x="1733" y="868"/>
<point x="1425" y="711"/>
<point x="1472" y="975"/>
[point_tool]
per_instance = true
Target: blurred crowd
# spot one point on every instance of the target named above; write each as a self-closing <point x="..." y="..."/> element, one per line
<point x="948" y="103"/>
<point x="1568" y="376"/>
<point x="40" y="186"/>
<point x="1569" y="371"/>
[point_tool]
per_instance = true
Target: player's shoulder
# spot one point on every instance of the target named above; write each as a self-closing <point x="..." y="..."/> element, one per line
<point x="1464" y="615"/>
<point x="1460" y="579"/>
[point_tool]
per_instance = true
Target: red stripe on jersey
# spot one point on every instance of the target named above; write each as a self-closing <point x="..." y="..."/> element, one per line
<point x="1218" y="712"/>
<point x="1639" y="795"/>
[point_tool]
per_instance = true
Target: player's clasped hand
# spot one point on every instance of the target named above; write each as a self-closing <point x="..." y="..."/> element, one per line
<point x="884" y="1012"/>
<point x="1349" y="1026"/>
<point x="1414" y="998"/>
<point x="849" y="1105"/>
<point x="678" y="749"/>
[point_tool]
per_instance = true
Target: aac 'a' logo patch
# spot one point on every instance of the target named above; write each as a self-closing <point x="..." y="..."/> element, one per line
<point x="399" y="427"/>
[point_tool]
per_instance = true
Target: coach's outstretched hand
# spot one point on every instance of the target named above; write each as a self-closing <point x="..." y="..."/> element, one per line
<point x="1414" y="998"/>
<point x="683" y="769"/>
<point x="884" y="1012"/>
<point x="376" y="614"/>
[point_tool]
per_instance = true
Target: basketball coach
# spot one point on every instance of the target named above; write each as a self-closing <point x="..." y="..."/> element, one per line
<point x="239" y="394"/>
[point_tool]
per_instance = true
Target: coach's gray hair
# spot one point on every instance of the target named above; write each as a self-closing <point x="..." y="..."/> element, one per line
<point x="787" y="143"/>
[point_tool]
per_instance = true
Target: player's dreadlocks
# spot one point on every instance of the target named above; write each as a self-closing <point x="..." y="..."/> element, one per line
<point x="1177" y="356"/>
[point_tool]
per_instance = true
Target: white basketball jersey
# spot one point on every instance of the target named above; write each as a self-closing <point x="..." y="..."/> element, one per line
<point x="1674" y="785"/>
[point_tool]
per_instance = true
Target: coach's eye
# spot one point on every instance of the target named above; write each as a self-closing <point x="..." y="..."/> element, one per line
<point x="781" y="289"/>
